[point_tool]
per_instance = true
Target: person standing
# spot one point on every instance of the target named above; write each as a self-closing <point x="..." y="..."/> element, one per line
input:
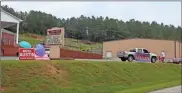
<point x="163" y="56"/>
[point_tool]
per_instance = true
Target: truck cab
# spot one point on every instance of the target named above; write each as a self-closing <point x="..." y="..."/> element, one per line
<point x="47" y="50"/>
<point x="139" y="50"/>
<point x="137" y="54"/>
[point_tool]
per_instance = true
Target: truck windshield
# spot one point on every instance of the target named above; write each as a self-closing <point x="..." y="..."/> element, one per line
<point x="132" y="50"/>
<point x="47" y="49"/>
<point x="140" y="51"/>
<point x="145" y="51"/>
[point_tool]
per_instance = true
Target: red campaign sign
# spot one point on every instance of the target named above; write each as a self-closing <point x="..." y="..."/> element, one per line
<point x="138" y="57"/>
<point x="26" y="53"/>
<point x="54" y="32"/>
<point x="141" y="57"/>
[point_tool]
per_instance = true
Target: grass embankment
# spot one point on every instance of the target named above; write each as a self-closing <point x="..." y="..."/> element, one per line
<point x="75" y="44"/>
<point x="86" y="77"/>
<point x="32" y="41"/>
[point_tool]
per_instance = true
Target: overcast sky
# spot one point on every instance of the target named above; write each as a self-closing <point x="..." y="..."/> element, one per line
<point x="166" y="12"/>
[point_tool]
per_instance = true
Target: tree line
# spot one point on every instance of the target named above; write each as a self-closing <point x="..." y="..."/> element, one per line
<point x="96" y="29"/>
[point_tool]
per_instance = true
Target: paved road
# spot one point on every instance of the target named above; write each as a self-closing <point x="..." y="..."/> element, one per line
<point x="107" y="60"/>
<point x="9" y="58"/>
<point x="15" y="58"/>
<point x="99" y="60"/>
<point x="176" y="89"/>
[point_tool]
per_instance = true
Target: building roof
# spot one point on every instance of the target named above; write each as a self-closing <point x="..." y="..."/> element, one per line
<point x="9" y="32"/>
<point x="7" y="19"/>
<point x="11" y="15"/>
<point x="139" y="39"/>
<point x="54" y="28"/>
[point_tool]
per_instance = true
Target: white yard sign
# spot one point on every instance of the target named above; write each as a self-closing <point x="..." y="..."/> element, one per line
<point x="54" y="39"/>
<point x="55" y="36"/>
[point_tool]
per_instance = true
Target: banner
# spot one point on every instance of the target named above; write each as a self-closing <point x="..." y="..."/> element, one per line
<point x="26" y="53"/>
<point x="55" y="36"/>
<point x="142" y="57"/>
<point x="45" y="57"/>
<point x="30" y="54"/>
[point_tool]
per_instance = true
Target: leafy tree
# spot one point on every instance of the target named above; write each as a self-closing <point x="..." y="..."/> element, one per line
<point x="97" y="29"/>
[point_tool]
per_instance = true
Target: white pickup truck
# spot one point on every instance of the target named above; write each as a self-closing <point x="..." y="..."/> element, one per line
<point x="137" y="54"/>
<point x="47" y="50"/>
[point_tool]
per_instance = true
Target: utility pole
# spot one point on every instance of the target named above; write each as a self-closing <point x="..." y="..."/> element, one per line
<point x="175" y="48"/>
<point x="179" y="47"/>
<point x="175" y="40"/>
<point x="0" y="35"/>
<point x="0" y="48"/>
<point x="181" y="41"/>
<point x="87" y="33"/>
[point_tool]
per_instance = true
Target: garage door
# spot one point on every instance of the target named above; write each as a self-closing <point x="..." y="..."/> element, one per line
<point x="109" y="54"/>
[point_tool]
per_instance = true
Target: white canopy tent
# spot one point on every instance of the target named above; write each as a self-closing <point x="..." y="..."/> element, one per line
<point x="8" y="20"/>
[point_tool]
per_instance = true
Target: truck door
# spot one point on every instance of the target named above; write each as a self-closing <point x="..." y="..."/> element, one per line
<point x="142" y="55"/>
<point x="138" y="55"/>
<point x="146" y="55"/>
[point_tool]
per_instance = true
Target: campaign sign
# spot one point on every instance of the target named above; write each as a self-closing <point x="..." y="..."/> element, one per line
<point x="45" y="57"/>
<point x="40" y="53"/>
<point x="26" y="53"/>
<point x="143" y="57"/>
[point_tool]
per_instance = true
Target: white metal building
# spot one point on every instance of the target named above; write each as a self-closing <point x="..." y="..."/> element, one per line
<point x="8" y="20"/>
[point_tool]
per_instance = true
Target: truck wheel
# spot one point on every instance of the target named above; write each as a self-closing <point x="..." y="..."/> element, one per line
<point x="130" y="58"/>
<point x="123" y="58"/>
<point x="17" y="54"/>
<point x="2" y="52"/>
<point x="153" y="59"/>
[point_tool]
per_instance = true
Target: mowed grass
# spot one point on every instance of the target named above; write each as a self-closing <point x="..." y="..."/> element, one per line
<point x="75" y="44"/>
<point x="86" y="77"/>
<point x="32" y="41"/>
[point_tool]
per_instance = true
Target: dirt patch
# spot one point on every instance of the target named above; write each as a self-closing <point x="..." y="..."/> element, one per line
<point x="3" y="88"/>
<point x="35" y="36"/>
<point x="67" y="53"/>
<point x="60" y="75"/>
<point x="52" y="70"/>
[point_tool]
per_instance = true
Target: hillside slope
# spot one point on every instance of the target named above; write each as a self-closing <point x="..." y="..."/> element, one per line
<point x="86" y="77"/>
<point x="70" y="43"/>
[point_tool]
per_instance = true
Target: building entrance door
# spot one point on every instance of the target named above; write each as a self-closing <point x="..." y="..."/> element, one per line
<point x="109" y="54"/>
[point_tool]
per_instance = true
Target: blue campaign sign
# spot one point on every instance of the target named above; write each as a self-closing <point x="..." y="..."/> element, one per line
<point x="143" y="57"/>
<point x="40" y="50"/>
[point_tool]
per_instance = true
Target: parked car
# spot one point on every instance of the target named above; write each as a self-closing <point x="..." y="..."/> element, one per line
<point x="47" y="50"/>
<point x="177" y="60"/>
<point x="138" y="54"/>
